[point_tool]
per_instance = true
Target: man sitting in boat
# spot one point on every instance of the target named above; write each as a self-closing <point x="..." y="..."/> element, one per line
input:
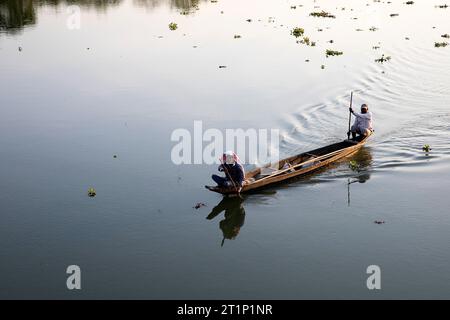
<point x="363" y="122"/>
<point x="234" y="172"/>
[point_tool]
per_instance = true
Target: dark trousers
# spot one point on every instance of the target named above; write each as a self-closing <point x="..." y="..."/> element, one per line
<point x="221" y="181"/>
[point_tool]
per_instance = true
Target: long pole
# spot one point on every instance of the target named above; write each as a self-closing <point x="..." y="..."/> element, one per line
<point x="350" y="116"/>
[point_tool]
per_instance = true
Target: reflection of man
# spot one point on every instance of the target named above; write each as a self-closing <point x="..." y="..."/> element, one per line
<point x="234" y="216"/>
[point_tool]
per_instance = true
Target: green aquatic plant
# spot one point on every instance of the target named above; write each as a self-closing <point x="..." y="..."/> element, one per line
<point x="333" y="53"/>
<point x="353" y="165"/>
<point x="173" y="26"/>
<point x="91" y="192"/>
<point x="306" y="41"/>
<point x="383" y="59"/>
<point x="322" y="14"/>
<point x="440" y="44"/>
<point x="426" y="148"/>
<point x="297" y="32"/>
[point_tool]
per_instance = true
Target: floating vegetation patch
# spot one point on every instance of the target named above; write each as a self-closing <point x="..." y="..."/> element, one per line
<point x="91" y="192"/>
<point x="308" y="42"/>
<point x="426" y="148"/>
<point x="173" y="26"/>
<point x="440" y="44"/>
<point x="383" y="59"/>
<point x="333" y="53"/>
<point x="297" y="32"/>
<point x="199" y="205"/>
<point x="322" y="14"/>
<point x="353" y="165"/>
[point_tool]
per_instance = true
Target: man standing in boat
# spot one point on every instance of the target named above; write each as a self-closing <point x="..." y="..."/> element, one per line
<point x="234" y="172"/>
<point x="363" y="122"/>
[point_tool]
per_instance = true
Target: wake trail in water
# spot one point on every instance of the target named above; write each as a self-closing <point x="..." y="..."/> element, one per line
<point x="409" y="97"/>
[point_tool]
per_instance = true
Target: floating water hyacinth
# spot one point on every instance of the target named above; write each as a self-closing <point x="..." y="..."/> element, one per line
<point x="426" y="148"/>
<point x="333" y="53"/>
<point x="91" y="192"/>
<point x="322" y="14"/>
<point x="383" y="59"/>
<point x="173" y="26"/>
<point x="440" y="44"/>
<point x="353" y="165"/>
<point x="297" y="32"/>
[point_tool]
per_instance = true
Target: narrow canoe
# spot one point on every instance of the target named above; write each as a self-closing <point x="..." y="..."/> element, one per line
<point x="295" y="166"/>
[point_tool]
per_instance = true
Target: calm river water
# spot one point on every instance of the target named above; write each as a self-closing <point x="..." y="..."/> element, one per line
<point x="72" y="99"/>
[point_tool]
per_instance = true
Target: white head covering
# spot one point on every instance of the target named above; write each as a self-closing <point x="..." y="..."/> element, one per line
<point x="229" y="157"/>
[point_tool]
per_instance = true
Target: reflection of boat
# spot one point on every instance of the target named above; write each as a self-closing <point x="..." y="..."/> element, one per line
<point x="295" y="166"/>
<point x="234" y="216"/>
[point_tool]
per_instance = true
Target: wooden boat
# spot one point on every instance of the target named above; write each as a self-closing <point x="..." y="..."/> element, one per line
<point x="295" y="166"/>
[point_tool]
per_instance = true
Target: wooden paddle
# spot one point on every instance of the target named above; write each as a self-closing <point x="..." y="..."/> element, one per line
<point x="350" y="116"/>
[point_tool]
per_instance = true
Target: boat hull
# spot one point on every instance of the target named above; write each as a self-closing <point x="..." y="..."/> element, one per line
<point x="318" y="158"/>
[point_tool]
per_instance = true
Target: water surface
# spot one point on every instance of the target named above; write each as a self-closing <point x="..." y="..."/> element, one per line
<point x="72" y="99"/>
